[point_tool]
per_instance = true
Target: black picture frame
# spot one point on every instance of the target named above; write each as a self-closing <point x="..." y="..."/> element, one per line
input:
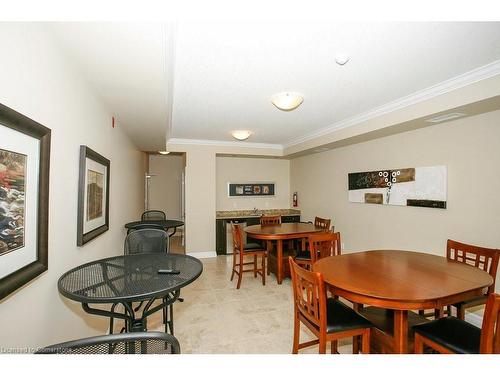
<point x="20" y="123"/>
<point x="251" y="189"/>
<point x="84" y="237"/>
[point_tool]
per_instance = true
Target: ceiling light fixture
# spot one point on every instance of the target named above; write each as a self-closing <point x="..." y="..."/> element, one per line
<point x="445" y="117"/>
<point x="241" y="135"/>
<point x="164" y="152"/>
<point x="287" y="101"/>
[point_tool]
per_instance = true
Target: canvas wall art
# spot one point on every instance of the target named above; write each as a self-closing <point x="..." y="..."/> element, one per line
<point x="93" y="195"/>
<point x="419" y="187"/>
<point x="24" y="189"/>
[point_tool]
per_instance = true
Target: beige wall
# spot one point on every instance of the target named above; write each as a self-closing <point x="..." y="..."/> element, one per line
<point x="232" y="169"/>
<point x="200" y="200"/>
<point x="200" y="180"/>
<point x="165" y="186"/>
<point x="37" y="81"/>
<point x="470" y="148"/>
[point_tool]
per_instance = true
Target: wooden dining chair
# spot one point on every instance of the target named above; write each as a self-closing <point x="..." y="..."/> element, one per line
<point x="480" y="257"/>
<point x="269" y="220"/>
<point x="240" y="251"/>
<point x="322" y="223"/>
<point x="328" y="319"/>
<point x="320" y="245"/>
<point x="451" y="335"/>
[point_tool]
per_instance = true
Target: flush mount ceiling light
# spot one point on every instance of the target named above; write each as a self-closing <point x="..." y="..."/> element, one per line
<point x="241" y="135"/>
<point x="342" y="58"/>
<point x="287" y="101"/>
<point x="164" y="152"/>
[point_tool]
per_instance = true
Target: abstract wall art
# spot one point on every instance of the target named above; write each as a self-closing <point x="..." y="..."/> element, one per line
<point x="419" y="187"/>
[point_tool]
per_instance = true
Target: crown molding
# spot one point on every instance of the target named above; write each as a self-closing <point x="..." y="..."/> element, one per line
<point x="209" y="142"/>
<point x="473" y="76"/>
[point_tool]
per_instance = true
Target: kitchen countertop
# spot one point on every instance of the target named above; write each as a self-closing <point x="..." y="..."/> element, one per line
<point x="249" y="213"/>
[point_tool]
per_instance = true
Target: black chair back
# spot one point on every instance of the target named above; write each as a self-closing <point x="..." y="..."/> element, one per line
<point x="123" y="343"/>
<point x="145" y="226"/>
<point x="153" y="215"/>
<point x="146" y="241"/>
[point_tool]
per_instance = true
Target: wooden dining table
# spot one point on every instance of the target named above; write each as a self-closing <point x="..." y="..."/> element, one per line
<point x="278" y="233"/>
<point x="394" y="282"/>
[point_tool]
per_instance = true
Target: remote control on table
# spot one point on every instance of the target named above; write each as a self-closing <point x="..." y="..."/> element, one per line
<point x="169" y="272"/>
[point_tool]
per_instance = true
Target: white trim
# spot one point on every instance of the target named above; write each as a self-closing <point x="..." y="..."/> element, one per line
<point x="209" y="142"/>
<point x="473" y="76"/>
<point x="203" y="254"/>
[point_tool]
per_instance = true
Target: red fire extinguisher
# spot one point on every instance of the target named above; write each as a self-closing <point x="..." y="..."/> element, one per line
<point x="294" y="199"/>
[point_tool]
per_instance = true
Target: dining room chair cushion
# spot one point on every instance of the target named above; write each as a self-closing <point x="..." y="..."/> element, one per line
<point x="251" y="246"/>
<point x="303" y="255"/>
<point x="455" y="334"/>
<point x="340" y="317"/>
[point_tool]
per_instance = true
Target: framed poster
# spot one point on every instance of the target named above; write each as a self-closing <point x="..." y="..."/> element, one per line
<point x="24" y="199"/>
<point x="246" y="189"/>
<point x="93" y="195"/>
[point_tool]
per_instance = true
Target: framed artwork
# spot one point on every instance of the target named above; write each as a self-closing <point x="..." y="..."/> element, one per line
<point x="419" y="187"/>
<point x="24" y="199"/>
<point x="93" y="195"/>
<point x="246" y="189"/>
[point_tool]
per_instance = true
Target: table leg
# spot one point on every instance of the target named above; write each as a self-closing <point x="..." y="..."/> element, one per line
<point x="400" y="331"/>
<point x="280" y="261"/>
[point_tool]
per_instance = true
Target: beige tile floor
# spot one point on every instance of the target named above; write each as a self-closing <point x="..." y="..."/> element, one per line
<point x="215" y="317"/>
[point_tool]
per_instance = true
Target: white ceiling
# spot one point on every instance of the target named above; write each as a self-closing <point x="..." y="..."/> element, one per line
<point x="126" y="64"/>
<point x="223" y="75"/>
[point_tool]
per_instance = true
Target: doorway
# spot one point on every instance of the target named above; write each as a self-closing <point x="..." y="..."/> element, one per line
<point x="165" y="191"/>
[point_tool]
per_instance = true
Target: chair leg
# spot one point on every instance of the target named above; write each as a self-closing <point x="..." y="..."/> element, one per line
<point x="269" y="248"/>
<point x="449" y="310"/>
<point x="240" y="274"/>
<point x="263" y="269"/>
<point x="296" y="334"/>
<point x="322" y="344"/>
<point x="365" y="342"/>
<point x="461" y="312"/>
<point x="355" y="345"/>
<point x="334" y="347"/>
<point x="421" y="312"/>
<point x="234" y="267"/>
<point x="418" y="344"/>
<point x="438" y="313"/>
<point x="255" y="266"/>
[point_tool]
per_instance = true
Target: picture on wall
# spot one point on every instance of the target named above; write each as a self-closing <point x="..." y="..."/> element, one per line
<point x="93" y="195"/>
<point x="251" y="189"/>
<point x="419" y="187"/>
<point x="24" y="192"/>
<point x="12" y="200"/>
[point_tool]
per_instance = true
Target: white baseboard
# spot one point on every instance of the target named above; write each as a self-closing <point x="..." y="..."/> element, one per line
<point x="203" y="254"/>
